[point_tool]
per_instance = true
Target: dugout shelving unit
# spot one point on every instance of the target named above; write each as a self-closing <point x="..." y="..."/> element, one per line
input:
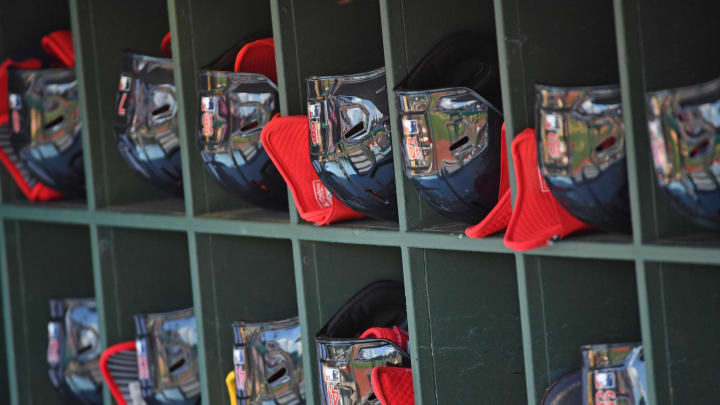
<point x="488" y="325"/>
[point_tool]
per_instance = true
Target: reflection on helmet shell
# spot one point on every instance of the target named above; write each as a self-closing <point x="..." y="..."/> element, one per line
<point x="614" y="373"/>
<point x="684" y="126"/>
<point x="581" y="153"/>
<point x="350" y="144"/>
<point x="74" y="350"/>
<point x="46" y="126"/>
<point x="451" y="150"/>
<point x="167" y="358"/>
<point x="234" y="107"/>
<point x="146" y="120"/>
<point x="346" y="366"/>
<point x="268" y="363"/>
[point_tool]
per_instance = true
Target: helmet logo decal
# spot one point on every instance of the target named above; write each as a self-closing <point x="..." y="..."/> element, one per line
<point x="53" y="353"/>
<point x="543" y="186"/>
<point x="322" y="194"/>
<point x="314" y="117"/>
<point x="605" y="398"/>
<point x="207" y="125"/>
<point x="143" y="367"/>
<point x="333" y="394"/>
<point x="124" y="87"/>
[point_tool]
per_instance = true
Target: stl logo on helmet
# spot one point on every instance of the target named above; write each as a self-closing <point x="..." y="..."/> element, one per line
<point x="605" y="398"/>
<point x="333" y="395"/>
<point x="554" y="145"/>
<point x="239" y="378"/>
<point x="207" y="125"/>
<point x="411" y="145"/>
<point x="322" y="194"/>
<point x="53" y="355"/>
<point x="143" y="367"/>
<point x="315" y="132"/>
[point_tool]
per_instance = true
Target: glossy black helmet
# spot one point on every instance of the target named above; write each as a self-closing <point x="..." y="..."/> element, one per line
<point x="268" y="362"/>
<point x="449" y="105"/>
<point x="46" y="128"/>
<point x="234" y="107"/>
<point x="166" y="347"/>
<point x="581" y="153"/>
<point x="74" y="351"/>
<point x="146" y="120"/>
<point x="684" y="128"/>
<point x="346" y="358"/>
<point x="350" y="144"/>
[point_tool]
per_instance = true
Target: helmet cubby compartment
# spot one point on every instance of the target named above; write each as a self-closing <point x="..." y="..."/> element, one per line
<point x="683" y="309"/>
<point x="475" y="336"/>
<point x="677" y="185"/>
<point x="22" y="42"/>
<point x="572" y="302"/>
<point x="239" y="279"/>
<point x="355" y="163"/>
<point x="214" y="35"/>
<point x="330" y="274"/>
<point x="44" y="261"/>
<point x="120" y="181"/>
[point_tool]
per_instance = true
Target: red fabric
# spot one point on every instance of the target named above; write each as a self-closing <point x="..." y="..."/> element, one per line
<point x="258" y="57"/>
<point x="112" y="350"/>
<point x="395" y="334"/>
<point x="286" y="141"/>
<point x="537" y="217"/>
<point x="499" y="217"/>
<point x="165" y="45"/>
<point x="59" y="44"/>
<point x="393" y="385"/>
<point x="39" y="191"/>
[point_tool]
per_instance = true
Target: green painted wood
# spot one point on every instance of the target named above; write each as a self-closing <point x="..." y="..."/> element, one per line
<point x="684" y="307"/>
<point x="574" y="302"/>
<point x="239" y="279"/>
<point x="43" y="262"/>
<point x="102" y="32"/>
<point x="475" y="337"/>
<point x="418" y="308"/>
<point x="4" y="388"/>
<point x="331" y="274"/>
<point x="143" y="272"/>
<point x="660" y="45"/>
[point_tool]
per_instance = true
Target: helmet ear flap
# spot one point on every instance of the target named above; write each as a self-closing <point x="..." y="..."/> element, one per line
<point x="567" y="390"/>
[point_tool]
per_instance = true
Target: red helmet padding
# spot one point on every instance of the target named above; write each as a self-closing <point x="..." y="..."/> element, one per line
<point x="393" y="385"/>
<point x="395" y="334"/>
<point x="258" y="57"/>
<point x="59" y="44"/>
<point x="165" y="45"/>
<point x="537" y="217"/>
<point x="37" y="191"/>
<point x="286" y="141"/>
<point x="112" y="385"/>
<point x="499" y="217"/>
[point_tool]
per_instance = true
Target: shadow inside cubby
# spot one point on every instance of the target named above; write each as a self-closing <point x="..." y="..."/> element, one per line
<point x="467" y="319"/>
<point x="330" y="275"/>
<point x="240" y="279"/>
<point x="575" y="302"/>
<point x="684" y="306"/>
<point x="141" y="271"/>
<point x="44" y="261"/>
